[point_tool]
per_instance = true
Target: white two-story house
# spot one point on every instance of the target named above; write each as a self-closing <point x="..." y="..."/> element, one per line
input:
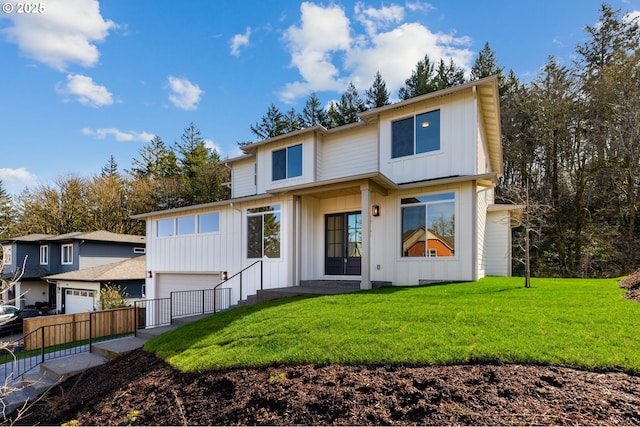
<point x="403" y="197"/>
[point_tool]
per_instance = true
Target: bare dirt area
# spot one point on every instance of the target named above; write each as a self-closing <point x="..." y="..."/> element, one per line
<point x="140" y="389"/>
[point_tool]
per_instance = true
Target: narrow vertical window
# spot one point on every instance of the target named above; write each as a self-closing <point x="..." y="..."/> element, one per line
<point x="263" y="232"/>
<point x="67" y="254"/>
<point x="44" y="254"/>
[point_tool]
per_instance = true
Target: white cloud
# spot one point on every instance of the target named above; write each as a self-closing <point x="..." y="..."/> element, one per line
<point x="16" y="180"/>
<point x="240" y="40"/>
<point x="118" y="135"/>
<point x="328" y="52"/>
<point x="630" y="16"/>
<point x="86" y="91"/>
<point x="323" y="31"/>
<point x="184" y="94"/>
<point x="374" y="19"/>
<point x="212" y="146"/>
<point x="66" y="33"/>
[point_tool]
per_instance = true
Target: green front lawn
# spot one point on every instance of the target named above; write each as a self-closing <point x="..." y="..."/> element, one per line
<point x="571" y="322"/>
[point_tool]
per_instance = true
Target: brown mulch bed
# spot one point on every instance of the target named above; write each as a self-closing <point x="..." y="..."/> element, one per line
<point x="141" y="389"/>
<point x="632" y="284"/>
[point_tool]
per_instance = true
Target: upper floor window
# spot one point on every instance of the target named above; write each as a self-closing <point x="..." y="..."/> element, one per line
<point x="287" y="162"/>
<point x="44" y="254"/>
<point x="429" y="226"/>
<point x="186" y="225"/>
<point x="165" y="227"/>
<point x="7" y="255"/>
<point x="263" y="235"/>
<point x="67" y="254"/>
<point x="209" y="223"/>
<point x="415" y="135"/>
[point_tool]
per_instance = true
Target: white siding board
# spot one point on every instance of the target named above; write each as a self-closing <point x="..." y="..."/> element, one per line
<point x="347" y="154"/>
<point x="243" y="178"/>
<point x="498" y="244"/>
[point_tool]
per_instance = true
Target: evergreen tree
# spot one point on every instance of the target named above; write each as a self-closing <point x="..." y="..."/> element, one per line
<point x="272" y="124"/>
<point x="347" y="109"/>
<point x="111" y="168"/>
<point x="7" y="212"/>
<point x="313" y="113"/>
<point x="155" y="160"/>
<point x="448" y="75"/>
<point x="487" y="65"/>
<point x="377" y="94"/>
<point x="421" y="80"/>
<point x="293" y="121"/>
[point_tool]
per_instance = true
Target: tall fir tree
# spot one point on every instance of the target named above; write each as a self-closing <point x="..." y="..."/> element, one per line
<point x="377" y="94"/>
<point x="313" y="113"/>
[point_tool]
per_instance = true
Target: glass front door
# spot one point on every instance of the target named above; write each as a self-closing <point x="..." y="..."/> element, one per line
<point x="343" y="247"/>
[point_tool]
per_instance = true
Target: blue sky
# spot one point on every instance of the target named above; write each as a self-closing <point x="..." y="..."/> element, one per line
<point x="84" y="80"/>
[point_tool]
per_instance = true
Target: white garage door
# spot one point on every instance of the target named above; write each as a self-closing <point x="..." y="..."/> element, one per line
<point x="78" y="301"/>
<point x="170" y="282"/>
<point x="188" y="303"/>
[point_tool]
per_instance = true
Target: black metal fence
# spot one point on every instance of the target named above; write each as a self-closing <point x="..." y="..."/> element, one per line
<point x="52" y="341"/>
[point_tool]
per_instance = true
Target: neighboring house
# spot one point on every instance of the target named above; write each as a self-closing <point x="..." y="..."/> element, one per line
<point x="348" y="203"/>
<point x="80" y="289"/>
<point x="45" y="255"/>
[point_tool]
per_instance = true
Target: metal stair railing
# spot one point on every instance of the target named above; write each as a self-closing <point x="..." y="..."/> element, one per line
<point x="239" y="273"/>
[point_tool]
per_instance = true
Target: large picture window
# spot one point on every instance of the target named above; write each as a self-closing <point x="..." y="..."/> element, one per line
<point x="263" y="232"/>
<point x="428" y="226"/>
<point x="287" y="162"/>
<point x="415" y="135"/>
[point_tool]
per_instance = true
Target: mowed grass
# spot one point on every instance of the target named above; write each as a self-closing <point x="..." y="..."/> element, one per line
<point x="570" y="322"/>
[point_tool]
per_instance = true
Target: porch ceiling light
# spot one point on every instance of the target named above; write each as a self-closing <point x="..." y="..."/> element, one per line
<point x="425" y="124"/>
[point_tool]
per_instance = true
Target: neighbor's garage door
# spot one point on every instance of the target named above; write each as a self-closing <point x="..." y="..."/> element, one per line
<point x="188" y="303"/>
<point x="78" y="301"/>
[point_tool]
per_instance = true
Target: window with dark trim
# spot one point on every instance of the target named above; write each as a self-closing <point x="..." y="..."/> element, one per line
<point x="416" y="135"/>
<point x="286" y="163"/>
<point x="429" y="225"/>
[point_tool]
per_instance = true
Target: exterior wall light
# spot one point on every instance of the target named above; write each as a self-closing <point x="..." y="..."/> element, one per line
<point x="224" y="276"/>
<point x="375" y="210"/>
<point x="149" y="274"/>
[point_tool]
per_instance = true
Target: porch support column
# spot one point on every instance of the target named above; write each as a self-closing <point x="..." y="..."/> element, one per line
<point x="293" y="242"/>
<point x="365" y="197"/>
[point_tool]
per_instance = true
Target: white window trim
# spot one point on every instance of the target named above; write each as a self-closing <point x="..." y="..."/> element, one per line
<point x="62" y="248"/>
<point x="44" y="254"/>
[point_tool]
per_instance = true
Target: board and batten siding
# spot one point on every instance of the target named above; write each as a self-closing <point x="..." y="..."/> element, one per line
<point x="243" y="178"/>
<point x="348" y="153"/>
<point x="458" y="135"/>
<point x="498" y="248"/>
<point x="387" y="262"/>
<point x="265" y="163"/>
<point x="213" y="253"/>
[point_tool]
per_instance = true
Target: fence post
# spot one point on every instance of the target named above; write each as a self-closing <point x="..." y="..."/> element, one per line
<point x="203" y="301"/>
<point x="240" y="286"/>
<point x="90" y="330"/>
<point x="42" y="346"/>
<point x="261" y="273"/>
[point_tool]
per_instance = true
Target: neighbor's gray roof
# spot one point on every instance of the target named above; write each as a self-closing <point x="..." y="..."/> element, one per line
<point x="28" y="238"/>
<point x="102" y="236"/>
<point x="130" y="269"/>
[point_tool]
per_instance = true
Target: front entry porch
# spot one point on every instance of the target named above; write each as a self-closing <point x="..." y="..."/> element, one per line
<point x="307" y="287"/>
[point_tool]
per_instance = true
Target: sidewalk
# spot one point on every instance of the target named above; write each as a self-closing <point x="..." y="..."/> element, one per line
<point x="52" y="372"/>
